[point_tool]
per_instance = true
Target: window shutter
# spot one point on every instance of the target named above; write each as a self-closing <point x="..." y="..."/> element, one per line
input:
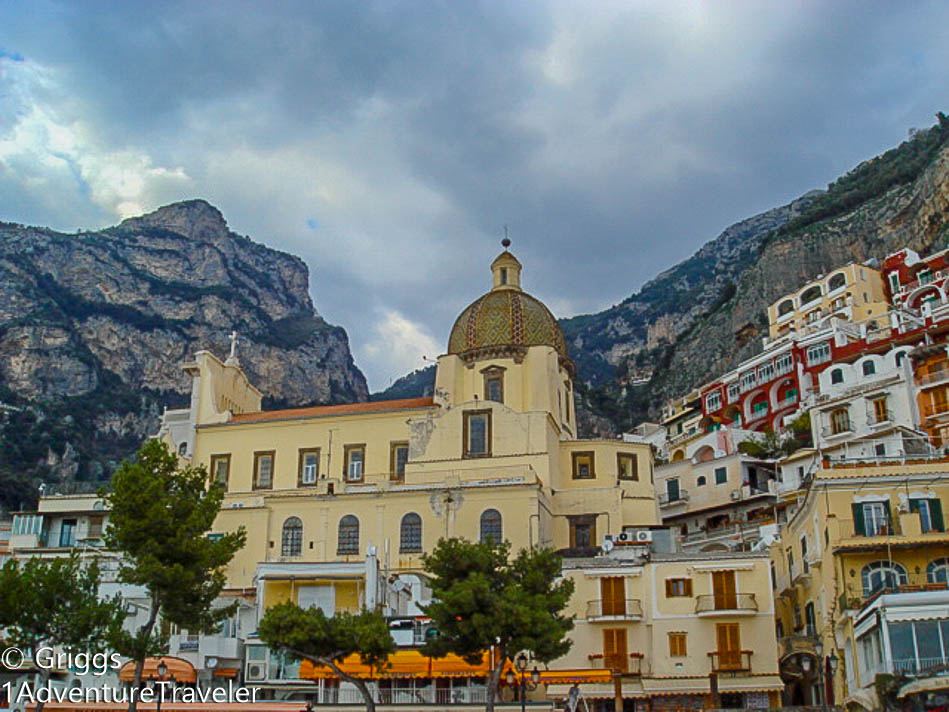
<point x="668" y="588"/>
<point x="889" y="518"/>
<point x="688" y="587"/>
<point x="858" y="526"/>
<point x="935" y="510"/>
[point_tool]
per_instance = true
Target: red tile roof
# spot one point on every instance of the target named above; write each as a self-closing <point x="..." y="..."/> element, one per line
<point x="327" y="410"/>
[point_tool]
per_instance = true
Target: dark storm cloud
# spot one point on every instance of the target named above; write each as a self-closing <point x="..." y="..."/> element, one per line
<point x="387" y="143"/>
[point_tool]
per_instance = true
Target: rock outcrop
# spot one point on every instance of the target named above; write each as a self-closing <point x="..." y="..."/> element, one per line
<point x="100" y="322"/>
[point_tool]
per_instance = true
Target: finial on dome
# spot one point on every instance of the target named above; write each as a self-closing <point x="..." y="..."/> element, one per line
<point x="506" y="242"/>
<point x="506" y="270"/>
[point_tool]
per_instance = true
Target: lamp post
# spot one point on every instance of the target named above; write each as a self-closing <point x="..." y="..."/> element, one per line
<point x="162" y="670"/>
<point x="832" y="662"/>
<point x="521" y="678"/>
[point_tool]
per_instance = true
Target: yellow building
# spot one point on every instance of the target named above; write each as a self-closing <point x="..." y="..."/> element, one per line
<point x="861" y="577"/>
<point x="340" y="502"/>
<point x="854" y="293"/>
<point x="676" y="626"/>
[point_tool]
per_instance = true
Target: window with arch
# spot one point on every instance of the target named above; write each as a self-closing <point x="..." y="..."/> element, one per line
<point x="410" y="534"/>
<point x="811" y="294"/>
<point x="700" y="482"/>
<point x="900" y="355"/>
<point x="491" y="526"/>
<point x="869" y="368"/>
<point x="937" y="571"/>
<point x="785" y="307"/>
<point x="837" y="281"/>
<point x="839" y="421"/>
<point x="347" y="542"/>
<point x="291" y="543"/>
<point x="882" y="575"/>
<point x="837" y="376"/>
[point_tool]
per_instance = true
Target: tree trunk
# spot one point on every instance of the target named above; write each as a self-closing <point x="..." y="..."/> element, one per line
<point x="145" y="632"/>
<point x="44" y="681"/>
<point x="494" y="678"/>
<point x="360" y="684"/>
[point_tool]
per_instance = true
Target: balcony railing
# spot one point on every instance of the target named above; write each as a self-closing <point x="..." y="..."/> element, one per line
<point x="631" y="664"/>
<point x="614" y="609"/>
<point x="935" y="410"/>
<point x="934" y="376"/>
<point x="791" y="644"/>
<point x="666" y="501"/>
<point x="731" y="660"/>
<point x="854" y="597"/>
<point x="845" y="428"/>
<point x="718" y="603"/>
<point x="785" y="402"/>
<point x="921" y="666"/>
<point x="875" y="418"/>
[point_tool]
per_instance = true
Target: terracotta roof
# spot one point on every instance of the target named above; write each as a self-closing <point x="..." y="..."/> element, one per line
<point x="322" y="411"/>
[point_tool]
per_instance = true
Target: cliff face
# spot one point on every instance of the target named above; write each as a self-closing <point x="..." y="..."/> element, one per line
<point x="718" y="298"/>
<point x="94" y="327"/>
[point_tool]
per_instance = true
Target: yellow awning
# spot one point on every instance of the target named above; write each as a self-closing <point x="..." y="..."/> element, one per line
<point x="580" y="675"/>
<point x="752" y="683"/>
<point x="402" y="663"/>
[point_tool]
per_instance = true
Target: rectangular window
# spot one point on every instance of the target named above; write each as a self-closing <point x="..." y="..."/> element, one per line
<point x="747" y="380"/>
<point x="930" y="514"/>
<point x="804" y="553"/>
<point x="818" y="353"/>
<point x="354" y="462"/>
<point x="734" y="390"/>
<point x="894" y="282"/>
<point x="627" y="466"/>
<point x="880" y="411"/>
<point x="398" y="456"/>
<point x="765" y="372"/>
<point x="672" y="490"/>
<point x="678" y="588"/>
<point x="95" y="526"/>
<point x="614" y="649"/>
<point x="221" y="469"/>
<point x="308" y="470"/>
<point x="724" y="590"/>
<point x="713" y="401"/>
<point x="721" y="475"/>
<point x="582" y="531"/>
<point x="871" y="518"/>
<point x="677" y="647"/>
<point x="583" y="466"/>
<point x="67" y="533"/>
<point x="613" y="595"/>
<point x="494" y="385"/>
<point x="263" y="469"/>
<point x="477" y="433"/>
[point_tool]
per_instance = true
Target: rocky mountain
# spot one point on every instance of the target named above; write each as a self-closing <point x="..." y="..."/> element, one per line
<point x="708" y="313"/>
<point x="94" y="327"/>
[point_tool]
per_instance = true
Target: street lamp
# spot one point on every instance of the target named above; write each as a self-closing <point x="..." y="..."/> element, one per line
<point x="521" y="679"/>
<point x="162" y="670"/>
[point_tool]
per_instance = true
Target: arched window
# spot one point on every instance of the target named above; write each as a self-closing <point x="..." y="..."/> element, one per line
<point x="491" y="525"/>
<point x="837" y="281"/>
<point x="700" y="481"/>
<point x="811" y="294"/>
<point x="410" y="534"/>
<point x="937" y="571"/>
<point x="784" y="307"/>
<point x="292" y="540"/>
<point x="869" y="368"/>
<point x="837" y="376"/>
<point x="900" y="355"/>
<point x="839" y="421"/>
<point x="882" y="575"/>
<point x="348" y="540"/>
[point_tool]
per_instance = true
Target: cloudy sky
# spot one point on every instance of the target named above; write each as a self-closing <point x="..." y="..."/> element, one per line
<point x="388" y="143"/>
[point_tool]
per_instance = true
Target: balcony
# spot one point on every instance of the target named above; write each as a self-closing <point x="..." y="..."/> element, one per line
<point x="878" y="420"/>
<point x="921" y="666"/>
<point x="731" y="660"/>
<point x="845" y="428"/>
<point x="785" y="403"/>
<point x="629" y="609"/>
<point x="714" y="604"/>
<point x="936" y="410"/>
<point x="666" y="501"/>
<point x="854" y="599"/>
<point x="631" y="664"/>
<point x="795" y="644"/>
<point x="935" y="376"/>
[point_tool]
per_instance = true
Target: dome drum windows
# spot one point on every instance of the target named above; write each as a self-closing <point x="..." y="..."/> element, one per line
<point x="347" y="540"/>
<point x="410" y="534"/>
<point x="291" y="542"/>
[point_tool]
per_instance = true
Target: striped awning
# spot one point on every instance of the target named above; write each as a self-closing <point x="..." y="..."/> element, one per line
<point x="178" y="668"/>
<point x="576" y="676"/>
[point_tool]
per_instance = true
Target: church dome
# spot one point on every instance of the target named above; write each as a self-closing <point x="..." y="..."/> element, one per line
<point x="505" y="317"/>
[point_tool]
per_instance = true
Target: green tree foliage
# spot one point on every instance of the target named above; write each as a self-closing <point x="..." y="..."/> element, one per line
<point x="160" y="515"/>
<point x="54" y="602"/>
<point x="485" y="599"/>
<point x="308" y="634"/>
<point x="773" y="446"/>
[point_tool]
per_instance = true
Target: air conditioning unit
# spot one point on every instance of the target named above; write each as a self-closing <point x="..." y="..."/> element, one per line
<point x="644" y="536"/>
<point x="623" y="536"/>
<point x="237" y="505"/>
<point x="736" y="495"/>
<point x="256" y="671"/>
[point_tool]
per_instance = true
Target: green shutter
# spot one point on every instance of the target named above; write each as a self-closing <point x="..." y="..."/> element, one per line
<point x="914" y="505"/>
<point x="889" y="519"/>
<point x="935" y="511"/>
<point x="858" y="526"/>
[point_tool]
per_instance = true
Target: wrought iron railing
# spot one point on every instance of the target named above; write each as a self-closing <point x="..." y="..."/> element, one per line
<point x="731" y="660"/>
<point x="617" y="608"/>
<point x="709" y="602"/>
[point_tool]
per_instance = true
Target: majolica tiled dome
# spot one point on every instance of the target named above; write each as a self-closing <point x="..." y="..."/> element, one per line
<point x="506" y="316"/>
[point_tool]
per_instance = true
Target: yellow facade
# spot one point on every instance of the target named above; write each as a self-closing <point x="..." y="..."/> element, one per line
<point x="860" y="556"/>
<point x="855" y="292"/>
